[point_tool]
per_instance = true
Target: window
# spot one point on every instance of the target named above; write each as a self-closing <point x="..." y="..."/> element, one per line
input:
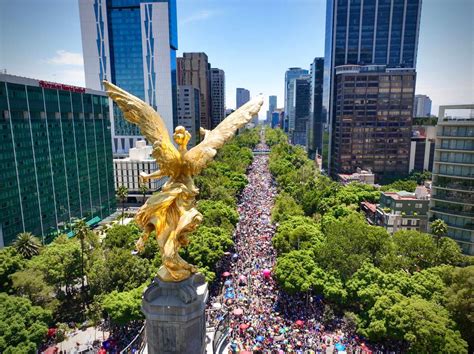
<point x="418" y="205"/>
<point x="398" y="205"/>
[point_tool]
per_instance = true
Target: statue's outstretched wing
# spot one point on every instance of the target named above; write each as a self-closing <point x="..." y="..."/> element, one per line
<point x="150" y="123"/>
<point x="201" y="155"/>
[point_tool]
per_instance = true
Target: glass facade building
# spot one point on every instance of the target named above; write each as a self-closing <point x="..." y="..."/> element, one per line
<point x="316" y="117"/>
<point x="55" y="157"/>
<point x="452" y="198"/>
<point x="301" y="109"/>
<point x="290" y="75"/>
<point x="372" y="125"/>
<point x="133" y="44"/>
<point x="364" y="32"/>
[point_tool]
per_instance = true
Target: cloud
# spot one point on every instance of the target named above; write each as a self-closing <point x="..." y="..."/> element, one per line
<point x="198" y="16"/>
<point x="63" y="57"/>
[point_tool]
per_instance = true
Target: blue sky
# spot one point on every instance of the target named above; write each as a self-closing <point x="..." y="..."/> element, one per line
<point x="253" y="41"/>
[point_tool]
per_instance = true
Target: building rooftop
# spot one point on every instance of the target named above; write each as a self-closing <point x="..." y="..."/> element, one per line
<point x="420" y="193"/>
<point x="16" y="79"/>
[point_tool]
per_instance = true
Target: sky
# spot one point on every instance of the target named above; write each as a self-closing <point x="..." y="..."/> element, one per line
<point x="253" y="41"/>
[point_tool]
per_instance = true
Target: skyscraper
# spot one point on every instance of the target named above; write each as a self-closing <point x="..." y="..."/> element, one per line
<point x="422" y="106"/>
<point x="372" y="128"/>
<point x="367" y="32"/>
<point x="194" y="70"/>
<point x="133" y="44"/>
<point x="300" y="108"/>
<point x="290" y="74"/>
<point x="217" y="96"/>
<point x="315" y="123"/>
<point x="272" y="105"/>
<point x="452" y="198"/>
<point x="56" y="157"/>
<point x="242" y="97"/>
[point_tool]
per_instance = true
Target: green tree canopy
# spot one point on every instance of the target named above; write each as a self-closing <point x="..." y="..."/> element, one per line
<point x="297" y="232"/>
<point x="420" y="324"/>
<point x="217" y="213"/>
<point x="124" y="307"/>
<point x="285" y="206"/>
<point x="121" y="236"/>
<point x="10" y="262"/>
<point x="350" y="242"/>
<point x="60" y="262"/>
<point x="23" y="327"/>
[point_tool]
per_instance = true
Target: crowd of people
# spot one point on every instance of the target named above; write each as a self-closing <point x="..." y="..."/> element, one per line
<point x="260" y="317"/>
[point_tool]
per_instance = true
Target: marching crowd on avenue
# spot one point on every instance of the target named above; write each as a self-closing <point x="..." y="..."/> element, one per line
<point x="261" y="318"/>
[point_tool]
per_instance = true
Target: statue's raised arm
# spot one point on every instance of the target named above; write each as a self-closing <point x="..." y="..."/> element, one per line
<point x="201" y="155"/>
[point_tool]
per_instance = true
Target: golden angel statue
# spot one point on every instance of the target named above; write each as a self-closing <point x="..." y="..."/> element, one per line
<point x="172" y="212"/>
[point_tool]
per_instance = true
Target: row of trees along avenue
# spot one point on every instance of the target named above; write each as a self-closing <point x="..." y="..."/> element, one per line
<point x="410" y="291"/>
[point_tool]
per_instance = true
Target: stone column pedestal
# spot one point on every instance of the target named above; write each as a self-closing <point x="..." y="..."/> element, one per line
<point x="175" y="316"/>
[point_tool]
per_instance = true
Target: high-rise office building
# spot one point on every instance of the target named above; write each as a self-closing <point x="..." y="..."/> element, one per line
<point x="194" y="70"/>
<point x="452" y="197"/>
<point x="301" y="109"/>
<point x="316" y="123"/>
<point x="133" y="44"/>
<point x="290" y="74"/>
<point x="364" y="32"/>
<point x="242" y="97"/>
<point x="217" y="96"/>
<point x="55" y="157"/>
<point x="422" y="106"/>
<point x="372" y="120"/>
<point x="189" y="115"/>
<point x="272" y="106"/>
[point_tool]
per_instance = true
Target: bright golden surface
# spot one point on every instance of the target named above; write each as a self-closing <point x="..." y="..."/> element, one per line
<point x="172" y="212"/>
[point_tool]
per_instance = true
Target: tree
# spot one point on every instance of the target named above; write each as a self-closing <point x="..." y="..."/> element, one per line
<point x="350" y="242"/>
<point x="122" y="195"/>
<point x="31" y="284"/>
<point x="124" y="307"/>
<point x="80" y="230"/>
<point x="119" y="270"/>
<point x="439" y="229"/>
<point x="460" y="302"/>
<point x="416" y="322"/>
<point x="143" y="189"/>
<point x="293" y="271"/>
<point x="207" y="246"/>
<point x="121" y="236"/>
<point x="218" y="214"/>
<point x="414" y="250"/>
<point x="10" y="262"/>
<point x="27" y="245"/>
<point x="23" y="326"/>
<point x="297" y="232"/>
<point x="285" y="206"/>
<point x="60" y="262"/>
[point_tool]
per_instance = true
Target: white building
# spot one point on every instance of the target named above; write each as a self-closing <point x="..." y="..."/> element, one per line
<point x="142" y="59"/>
<point x="422" y="106"/>
<point x="127" y="170"/>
